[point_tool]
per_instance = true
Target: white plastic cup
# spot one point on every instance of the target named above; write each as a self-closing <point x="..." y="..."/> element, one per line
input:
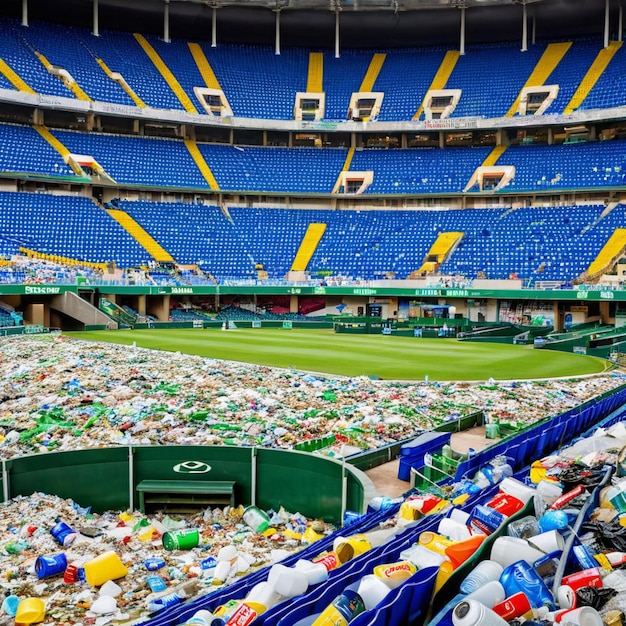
<point x="549" y="491"/>
<point x="507" y="550"/>
<point x="473" y="613"/>
<point x="517" y="489"/>
<point x="287" y="581"/>
<point x="483" y="573"/>
<point x="372" y="590"/>
<point x="263" y="593"/>
<point x="548" y="542"/>
<point x="489" y="595"/>
<point x="583" y="616"/>
<point x="453" y="529"/>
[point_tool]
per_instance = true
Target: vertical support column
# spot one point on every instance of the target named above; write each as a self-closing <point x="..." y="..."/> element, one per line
<point x="166" y="22"/>
<point x="462" y="41"/>
<point x="344" y="486"/>
<point x="606" y="23"/>
<point x="277" y="38"/>
<point x="131" y="480"/>
<point x="24" y="12"/>
<point x="253" y="452"/>
<point x="5" y="481"/>
<point x="620" y="23"/>
<point x="337" y="34"/>
<point x="524" y="27"/>
<point x="534" y="33"/>
<point x="214" y="28"/>
<point x="95" y="31"/>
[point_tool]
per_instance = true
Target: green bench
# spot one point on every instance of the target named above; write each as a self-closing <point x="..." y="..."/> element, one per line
<point x="177" y="493"/>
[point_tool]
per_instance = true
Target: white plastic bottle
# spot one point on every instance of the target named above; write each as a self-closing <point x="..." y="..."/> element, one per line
<point x="473" y="613"/>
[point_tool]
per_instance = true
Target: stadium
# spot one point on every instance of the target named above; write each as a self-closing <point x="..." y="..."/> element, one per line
<point x="283" y="243"/>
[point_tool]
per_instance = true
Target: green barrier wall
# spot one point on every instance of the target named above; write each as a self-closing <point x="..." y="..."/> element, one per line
<point x="105" y="478"/>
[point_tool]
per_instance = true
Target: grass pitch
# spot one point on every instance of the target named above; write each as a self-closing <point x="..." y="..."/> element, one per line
<point x="386" y="357"/>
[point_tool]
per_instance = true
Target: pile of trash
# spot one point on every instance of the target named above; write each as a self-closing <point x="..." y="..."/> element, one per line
<point x="64" y="394"/>
<point x="64" y="558"/>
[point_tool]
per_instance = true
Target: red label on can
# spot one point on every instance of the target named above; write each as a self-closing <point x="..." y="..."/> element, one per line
<point x="243" y="616"/>
<point x="329" y="561"/>
<point x="586" y="578"/>
<point x="514" y="606"/>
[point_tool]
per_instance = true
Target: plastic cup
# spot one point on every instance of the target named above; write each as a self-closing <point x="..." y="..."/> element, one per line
<point x="51" y="565"/>
<point x="507" y="550"/>
<point x="517" y="489"/>
<point x="548" y="542"/>
<point x="583" y="616"/>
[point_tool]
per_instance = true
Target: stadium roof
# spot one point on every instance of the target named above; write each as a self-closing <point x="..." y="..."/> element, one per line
<point x="311" y="23"/>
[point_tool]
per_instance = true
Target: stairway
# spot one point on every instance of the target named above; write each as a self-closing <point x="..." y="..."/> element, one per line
<point x="204" y="67"/>
<point x="68" y="81"/>
<point x="346" y="167"/>
<point x="165" y="71"/>
<point x="439" y="251"/>
<point x="493" y="156"/>
<point x="203" y="166"/>
<point x="442" y="75"/>
<point x="60" y="148"/>
<point x="614" y="246"/>
<point x="594" y="72"/>
<point x="314" y="83"/>
<point x="144" y="239"/>
<point x="550" y="58"/>
<point x="373" y="70"/>
<point x="16" y="80"/>
<point x="308" y="245"/>
<point x="117" y="77"/>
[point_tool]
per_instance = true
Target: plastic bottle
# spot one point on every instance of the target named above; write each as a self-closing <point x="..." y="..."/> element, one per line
<point x="517" y="489"/>
<point x="490" y="594"/>
<point x="164" y="602"/>
<point x="484" y="572"/>
<point x="473" y="613"/>
<point x="200" y="618"/>
<point x="524" y="527"/>
<point x="520" y="576"/>
<point x="486" y="520"/>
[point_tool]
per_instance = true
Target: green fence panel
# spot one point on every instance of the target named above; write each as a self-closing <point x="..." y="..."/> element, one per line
<point x="98" y="478"/>
<point x="196" y="463"/>
<point x="308" y="483"/>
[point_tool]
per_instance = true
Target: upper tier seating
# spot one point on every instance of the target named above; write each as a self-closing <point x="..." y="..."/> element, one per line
<point x="156" y="162"/>
<point x="260" y="84"/>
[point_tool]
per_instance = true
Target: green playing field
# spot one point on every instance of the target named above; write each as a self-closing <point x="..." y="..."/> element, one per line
<point x="387" y="357"/>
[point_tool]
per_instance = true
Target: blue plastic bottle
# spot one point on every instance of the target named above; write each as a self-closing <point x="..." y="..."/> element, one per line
<point x="520" y="576"/>
<point x="164" y="602"/>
